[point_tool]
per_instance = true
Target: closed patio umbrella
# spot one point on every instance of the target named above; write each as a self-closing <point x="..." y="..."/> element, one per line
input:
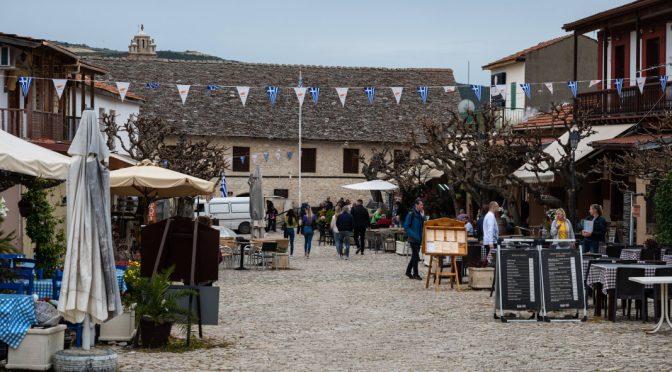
<point x="89" y="290"/>
<point x="256" y="196"/>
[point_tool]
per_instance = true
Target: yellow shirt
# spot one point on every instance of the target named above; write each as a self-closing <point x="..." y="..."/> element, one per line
<point x="562" y="230"/>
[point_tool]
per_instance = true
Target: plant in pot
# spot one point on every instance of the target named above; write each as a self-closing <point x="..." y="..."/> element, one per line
<point x="156" y="308"/>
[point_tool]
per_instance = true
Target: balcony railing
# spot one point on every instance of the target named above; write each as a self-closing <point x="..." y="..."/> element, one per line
<point x="606" y="104"/>
<point x="28" y="124"/>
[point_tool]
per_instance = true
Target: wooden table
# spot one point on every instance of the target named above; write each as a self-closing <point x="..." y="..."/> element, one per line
<point x="664" y="281"/>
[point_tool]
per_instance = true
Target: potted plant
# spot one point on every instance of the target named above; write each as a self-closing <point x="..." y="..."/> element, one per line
<point x="156" y="308"/>
<point x="481" y="276"/>
<point x="122" y="327"/>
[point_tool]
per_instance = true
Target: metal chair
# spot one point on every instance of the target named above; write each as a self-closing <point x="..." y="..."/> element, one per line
<point x="26" y="274"/>
<point x="269" y="250"/>
<point x="648" y="255"/>
<point x="614" y="251"/>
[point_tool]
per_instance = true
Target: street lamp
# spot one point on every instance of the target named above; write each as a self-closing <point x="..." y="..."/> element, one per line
<point x="573" y="144"/>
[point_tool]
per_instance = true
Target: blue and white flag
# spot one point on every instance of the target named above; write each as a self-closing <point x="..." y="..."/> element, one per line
<point x="573" y="86"/>
<point x="212" y="87"/>
<point x="315" y="93"/>
<point x="477" y="91"/>
<point x="370" y="94"/>
<point x="222" y="187"/>
<point x="242" y="159"/>
<point x="265" y="154"/>
<point x="424" y="92"/>
<point x="526" y="88"/>
<point x="619" y="85"/>
<point x="272" y="92"/>
<point x="25" y="85"/>
<point x="663" y="82"/>
<point x="289" y="155"/>
<point x="152" y="85"/>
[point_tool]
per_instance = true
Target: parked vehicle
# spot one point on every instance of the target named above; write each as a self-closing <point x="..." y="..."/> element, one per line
<point x="233" y="213"/>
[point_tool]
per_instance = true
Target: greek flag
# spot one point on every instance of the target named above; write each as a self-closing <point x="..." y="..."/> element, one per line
<point x="477" y="91"/>
<point x="315" y="93"/>
<point x="619" y="85"/>
<point x="573" y="86"/>
<point x="25" y="85"/>
<point x="272" y="92"/>
<point x="242" y="159"/>
<point x="152" y="85"/>
<point x="424" y="92"/>
<point x="663" y="82"/>
<point x="526" y="88"/>
<point x="289" y="155"/>
<point x="222" y="187"/>
<point x="370" y="94"/>
<point x="265" y="154"/>
<point x="212" y="87"/>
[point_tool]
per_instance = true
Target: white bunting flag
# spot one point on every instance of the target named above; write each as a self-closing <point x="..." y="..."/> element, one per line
<point x="549" y="86"/>
<point x="59" y="84"/>
<point x="122" y="87"/>
<point x="342" y="93"/>
<point x="300" y="94"/>
<point x="243" y="93"/>
<point x="449" y="88"/>
<point x="254" y="158"/>
<point x="640" y="84"/>
<point x="277" y="155"/>
<point x="184" y="91"/>
<point x="396" y="91"/>
<point x="594" y="83"/>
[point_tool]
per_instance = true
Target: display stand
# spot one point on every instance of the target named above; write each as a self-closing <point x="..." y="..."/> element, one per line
<point x="518" y="283"/>
<point x="562" y="281"/>
<point x="443" y="237"/>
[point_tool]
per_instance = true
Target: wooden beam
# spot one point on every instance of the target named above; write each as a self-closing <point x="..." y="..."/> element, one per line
<point x="576" y="55"/>
<point x="93" y="89"/>
<point x="83" y="90"/>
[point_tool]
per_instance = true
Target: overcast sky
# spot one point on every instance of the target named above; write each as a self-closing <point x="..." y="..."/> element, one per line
<point x="384" y="33"/>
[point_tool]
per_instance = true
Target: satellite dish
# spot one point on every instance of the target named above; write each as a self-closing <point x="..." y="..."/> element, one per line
<point x="466" y="105"/>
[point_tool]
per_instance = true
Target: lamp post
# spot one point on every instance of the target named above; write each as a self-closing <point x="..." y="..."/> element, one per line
<point x="573" y="143"/>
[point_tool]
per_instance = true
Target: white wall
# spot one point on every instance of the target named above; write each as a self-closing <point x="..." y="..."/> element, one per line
<point x="668" y="48"/>
<point x="123" y="111"/>
<point x="514" y="73"/>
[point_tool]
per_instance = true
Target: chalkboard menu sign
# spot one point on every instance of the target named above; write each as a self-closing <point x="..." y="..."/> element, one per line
<point x="518" y="279"/>
<point x="563" y="279"/>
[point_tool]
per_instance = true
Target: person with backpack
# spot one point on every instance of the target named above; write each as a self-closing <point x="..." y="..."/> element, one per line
<point x="414" y="225"/>
<point x="309" y="221"/>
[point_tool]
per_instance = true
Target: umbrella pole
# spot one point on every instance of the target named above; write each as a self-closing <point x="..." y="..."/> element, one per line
<point x="88" y="333"/>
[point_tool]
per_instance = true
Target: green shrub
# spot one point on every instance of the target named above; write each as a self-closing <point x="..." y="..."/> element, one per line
<point x="663" y="211"/>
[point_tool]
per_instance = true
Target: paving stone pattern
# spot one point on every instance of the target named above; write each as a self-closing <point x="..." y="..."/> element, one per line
<point x="364" y="314"/>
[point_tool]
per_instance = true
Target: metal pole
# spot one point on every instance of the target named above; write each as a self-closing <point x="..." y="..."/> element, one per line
<point x="572" y="198"/>
<point x="631" y="231"/>
<point x="300" y="151"/>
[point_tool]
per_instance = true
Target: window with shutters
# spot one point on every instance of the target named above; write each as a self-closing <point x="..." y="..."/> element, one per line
<point x="241" y="159"/>
<point x="308" y="160"/>
<point x="351" y="161"/>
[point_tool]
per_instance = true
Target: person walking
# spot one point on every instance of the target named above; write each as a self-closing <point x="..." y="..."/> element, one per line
<point x="334" y="230"/>
<point x="271" y="215"/>
<point x="290" y="225"/>
<point x="413" y="226"/>
<point x="595" y="234"/>
<point x="308" y="230"/>
<point x="561" y="228"/>
<point x="490" y="228"/>
<point x="345" y="224"/>
<point x="361" y="221"/>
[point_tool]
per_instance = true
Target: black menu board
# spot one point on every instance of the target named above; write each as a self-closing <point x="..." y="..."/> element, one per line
<point x="519" y="273"/>
<point x="563" y="279"/>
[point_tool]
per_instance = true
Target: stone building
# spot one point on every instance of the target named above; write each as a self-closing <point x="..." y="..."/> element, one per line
<point x="142" y="46"/>
<point x="334" y="136"/>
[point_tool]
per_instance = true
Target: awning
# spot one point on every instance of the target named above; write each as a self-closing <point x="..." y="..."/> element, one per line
<point x="602" y="132"/>
<point x="372" y="185"/>
<point x="19" y="156"/>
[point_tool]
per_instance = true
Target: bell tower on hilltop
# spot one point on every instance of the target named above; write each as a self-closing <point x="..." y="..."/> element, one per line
<point x="142" y="46"/>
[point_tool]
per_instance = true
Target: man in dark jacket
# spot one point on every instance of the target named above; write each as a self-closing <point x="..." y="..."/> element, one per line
<point x="361" y="220"/>
<point x="345" y="224"/>
<point x="593" y="238"/>
<point x="414" y="225"/>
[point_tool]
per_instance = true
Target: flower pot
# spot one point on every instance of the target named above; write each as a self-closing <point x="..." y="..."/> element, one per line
<point x="283" y="260"/>
<point x="402" y="248"/>
<point x="154" y="335"/>
<point x="121" y="328"/>
<point x="37" y="348"/>
<point x="25" y="208"/>
<point x="481" y="277"/>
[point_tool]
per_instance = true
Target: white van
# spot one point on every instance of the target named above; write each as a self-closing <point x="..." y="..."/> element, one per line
<point x="233" y="213"/>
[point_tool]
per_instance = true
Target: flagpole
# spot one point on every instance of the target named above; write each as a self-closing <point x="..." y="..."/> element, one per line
<point x="300" y="152"/>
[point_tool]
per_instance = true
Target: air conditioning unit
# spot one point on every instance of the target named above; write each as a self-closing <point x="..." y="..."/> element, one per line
<point x="5" y="57"/>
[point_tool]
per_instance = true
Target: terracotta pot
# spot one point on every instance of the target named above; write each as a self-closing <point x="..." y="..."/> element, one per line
<point x="154" y="335"/>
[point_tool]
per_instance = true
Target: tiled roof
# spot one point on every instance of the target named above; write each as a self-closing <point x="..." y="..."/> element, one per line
<point x="220" y="112"/>
<point x="113" y="89"/>
<point x="546" y="120"/>
<point x="513" y="57"/>
<point x="631" y="140"/>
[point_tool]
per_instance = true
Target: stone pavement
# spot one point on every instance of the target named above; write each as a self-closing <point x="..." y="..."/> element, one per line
<point x="364" y="314"/>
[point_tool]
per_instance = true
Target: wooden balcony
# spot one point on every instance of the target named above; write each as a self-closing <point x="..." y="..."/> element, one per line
<point x="606" y="105"/>
<point x="33" y="125"/>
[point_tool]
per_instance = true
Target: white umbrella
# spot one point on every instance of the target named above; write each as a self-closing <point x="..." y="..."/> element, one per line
<point x="89" y="290"/>
<point x="375" y="185"/>
<point x="19" y="156"/>
<point x="256" y="197"/>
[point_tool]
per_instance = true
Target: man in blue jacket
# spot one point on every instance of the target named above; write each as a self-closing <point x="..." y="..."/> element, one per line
<point x="414" y="226"/>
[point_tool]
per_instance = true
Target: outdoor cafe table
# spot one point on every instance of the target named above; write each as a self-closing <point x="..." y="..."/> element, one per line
<point x="664" y="281"/>
<point x="17" y="314"/>
<point x="667" y="258"/>
<point x="44" y="288"/>
<point x="604" y="275"/>
<point x="631" y="253"/>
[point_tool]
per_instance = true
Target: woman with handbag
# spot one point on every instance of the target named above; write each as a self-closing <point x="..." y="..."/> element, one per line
<point x="309" y="220"/>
